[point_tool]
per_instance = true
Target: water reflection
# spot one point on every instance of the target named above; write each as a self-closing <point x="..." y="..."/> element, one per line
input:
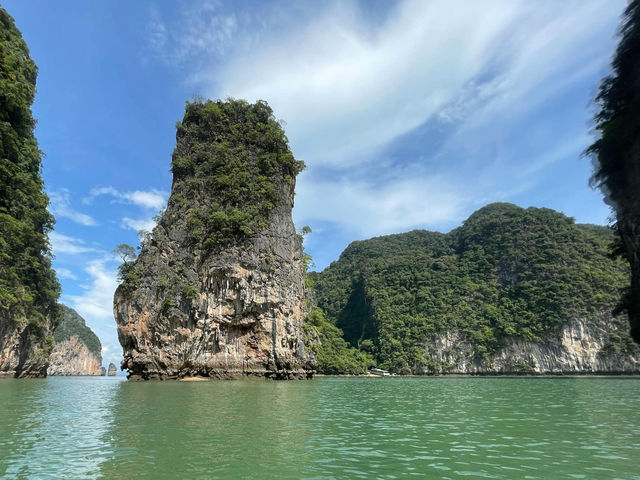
<point x="210" y="429"/>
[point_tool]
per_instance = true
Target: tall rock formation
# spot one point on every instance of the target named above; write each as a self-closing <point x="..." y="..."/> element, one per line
<point x="28" y="286"/>
<point x="112" y="370"/>
<point x="217" y="290"/>
<point x="77" y="350"/>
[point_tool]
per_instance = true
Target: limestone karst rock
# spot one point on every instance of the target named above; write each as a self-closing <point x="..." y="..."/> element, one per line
<point x="112" y="370"/>
<point x="77" y="350"/>
<point x="217" y="290"/>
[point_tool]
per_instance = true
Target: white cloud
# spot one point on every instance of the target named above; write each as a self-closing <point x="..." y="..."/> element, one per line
<point x="97" y="301"/>
<point x="139" y="224"/>
<point x="64" y="244"/>
<point x="369" y="209"/>
<point x="65" y="273"/>
<point x="151" y="199"/>
<point x="61" y="207"/>
<point x="346" y="90"/>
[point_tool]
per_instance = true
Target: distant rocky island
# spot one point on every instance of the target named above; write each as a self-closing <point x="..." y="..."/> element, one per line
<point x="112" y="370"/>
<point x="511" y="291"/>
<point x="218" y="288"/>
<point x="77" y="350"/>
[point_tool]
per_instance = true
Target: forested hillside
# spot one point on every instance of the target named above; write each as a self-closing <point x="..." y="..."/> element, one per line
<point x="72" y="324"/>
<point x="507" y="272"/>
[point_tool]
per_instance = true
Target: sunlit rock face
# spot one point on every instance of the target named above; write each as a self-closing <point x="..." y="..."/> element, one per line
<point x="112" y="370"/>
<point x="577" y="347"/>
<point x="224" y="309"/>
<point x="77" y="350"/>
<point x="72" y="358"/>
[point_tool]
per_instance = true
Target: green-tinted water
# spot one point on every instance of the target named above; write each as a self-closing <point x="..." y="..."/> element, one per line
<point x="509" y="428"/>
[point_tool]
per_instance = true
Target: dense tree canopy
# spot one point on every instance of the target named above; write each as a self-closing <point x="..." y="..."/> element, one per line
<point x="72" y="324"/>
<point x="617" y="152"/>
<point x="239" y="151"/>
<point x="506" y="272"/>
<point x="28" y="286"/>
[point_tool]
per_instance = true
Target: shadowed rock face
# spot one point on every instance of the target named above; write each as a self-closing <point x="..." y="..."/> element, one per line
<point x="222" y="309"/>
<point x="22" y="352"/>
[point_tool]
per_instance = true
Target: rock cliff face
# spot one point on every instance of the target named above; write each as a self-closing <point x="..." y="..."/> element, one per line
<point x="22" y="352"/>
<point x="72" y="358"/>
<point x="217" y="290"/>
<point x="580" y="346"/>
<point x="77" y="350"/>
<point x="112" y="370"/>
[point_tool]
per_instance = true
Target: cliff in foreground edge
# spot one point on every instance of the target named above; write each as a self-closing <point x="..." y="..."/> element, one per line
<point x="77" y="350"/>
<point x="217" y="290"/>
<point x="28" y="286"/>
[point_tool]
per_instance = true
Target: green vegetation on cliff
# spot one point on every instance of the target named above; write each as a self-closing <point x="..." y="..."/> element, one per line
<point x="507" y="272"/>
<point x="72" y="324"/>
<point x="239" y="151"/>
<point x="28" y="286"/>
<point x="333" y="354"/>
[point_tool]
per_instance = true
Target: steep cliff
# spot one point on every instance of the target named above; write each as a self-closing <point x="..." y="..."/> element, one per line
<point x="112" y="370"/>
<point x="580" y="346"/>
<point x="217" y="290"/>
<point x="28" y="286"/>
<point x="77" y="350"/>
<point x="511" y="290"/>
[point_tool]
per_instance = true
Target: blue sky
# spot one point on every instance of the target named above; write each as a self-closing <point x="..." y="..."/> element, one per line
<point x="409" y="114"/>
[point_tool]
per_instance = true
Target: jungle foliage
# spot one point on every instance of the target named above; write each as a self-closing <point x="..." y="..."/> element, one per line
<point x="28" y="286"/>
<point x="72" y="324"/>
<point x="333" y="354"/>
<point x="505" y="272"/>
<point x="230" y="161"/>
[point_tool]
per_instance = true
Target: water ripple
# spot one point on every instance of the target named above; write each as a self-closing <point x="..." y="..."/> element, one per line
<point x="504" y="428"/>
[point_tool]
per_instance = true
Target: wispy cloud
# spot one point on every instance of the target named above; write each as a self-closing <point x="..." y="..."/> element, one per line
<point x="203" y="31"/>
<point x="346" y="89"/>
<point x="64" y="244"/>
<point x="138" y="224"/>
<point x="366" y="209"/>
<point x="97" y="301"/>
<point x="65" y="273"/>
<point x="151" y="199"/>
<point x="60" y="206"/>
